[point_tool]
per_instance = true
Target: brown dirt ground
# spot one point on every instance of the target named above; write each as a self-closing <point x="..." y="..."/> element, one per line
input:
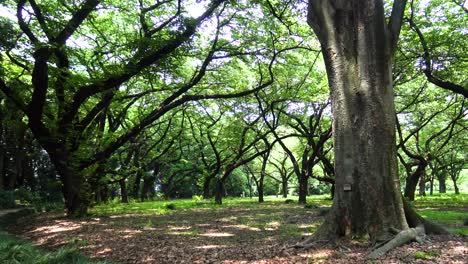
<point x="219" y="236"/>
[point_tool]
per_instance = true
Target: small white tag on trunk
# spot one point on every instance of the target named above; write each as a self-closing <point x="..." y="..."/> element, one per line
<point x="347" y="187"/>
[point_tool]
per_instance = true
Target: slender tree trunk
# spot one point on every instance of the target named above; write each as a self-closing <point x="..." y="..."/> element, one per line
<point x="358" y="58"/>
<point x="219" y="191"/>
<point x="412" y="181"/>
<point x="284" y="188"/>
<point x="206" y="187"/>
<point x="123" y="191"/>
<point x="442" y="187"/>
<point x="455" y="186"/>
<point x="332" y="191"/>
<point x="2" y="168"/>
<point x="422" y="184"/>
<point x="410" y="188"/>
<point x="104" y="192"/>
<point x="303" y="188"/>
<point x="98" y="193"/>
<point x="431" y="186"/>
<point x="137" y="185"/>
<point x="260" y="191"/>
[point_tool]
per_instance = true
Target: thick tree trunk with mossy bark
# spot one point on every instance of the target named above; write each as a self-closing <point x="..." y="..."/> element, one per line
<point x="76" y="191"/>
<point x="358" y="58"/>
<point x="358" y="47"/>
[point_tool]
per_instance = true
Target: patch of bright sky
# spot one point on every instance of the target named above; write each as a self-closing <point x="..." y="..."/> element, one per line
<point x="195" y="8"/>
<point x="8" y="13"/>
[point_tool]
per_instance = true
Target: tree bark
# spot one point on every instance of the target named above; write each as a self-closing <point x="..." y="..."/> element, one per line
<point x="75" y="190"/>
<point x="455" y="186"/>
<point x="206" y="188"/>
<point x="358" y="52"/>
<point x="137" y="185"/>
<point x="422" y="184"/>
<point x="303" y="189"/>
<point x="123" y="191"/>
<point x="219" y="191"/>
<point x="410" y="188"/>
<point x="260" y="191"/>
<point x="442" y="186"/>
<point x="284" y="188"/>
<point x="2" y="168"/>
<point x="412" y="181"/>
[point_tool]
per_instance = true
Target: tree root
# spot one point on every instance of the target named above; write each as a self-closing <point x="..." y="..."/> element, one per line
<point x="309" y="243"/>
<point x="401" y="238"/>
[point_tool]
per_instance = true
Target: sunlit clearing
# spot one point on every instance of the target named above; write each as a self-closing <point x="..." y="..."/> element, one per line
<point x="318" y="254"/>
<point x="214" y="234"/>
<point x="130" y="231"/>
<point x="458" y="250"/>
<point x="210" y="246"/>
<point x="242" y="227"/>
<point x="104" y="251"/>
<point x="60" y="226"/>
<point x="180" y="227"/>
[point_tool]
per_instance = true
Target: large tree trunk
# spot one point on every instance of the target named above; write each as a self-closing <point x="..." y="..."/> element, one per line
<point x="358" y="58"/>
<point x="74" y="186"/>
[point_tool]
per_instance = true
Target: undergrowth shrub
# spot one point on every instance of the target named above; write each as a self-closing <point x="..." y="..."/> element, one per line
<point x="7" y="200"/>
<point x="171" y="206"/>
<point x="14" y="250"/>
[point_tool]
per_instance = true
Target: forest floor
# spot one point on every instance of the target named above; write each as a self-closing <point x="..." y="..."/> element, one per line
<point x="237" y="232"/>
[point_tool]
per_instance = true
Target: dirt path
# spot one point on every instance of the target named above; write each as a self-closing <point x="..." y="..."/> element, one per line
<point x="220" y="236"/>
<point x="7" y="211"/>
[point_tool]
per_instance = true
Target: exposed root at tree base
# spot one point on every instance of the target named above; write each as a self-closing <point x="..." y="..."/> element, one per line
<point x="419" y="227"/>
<point x="401" y="238"/>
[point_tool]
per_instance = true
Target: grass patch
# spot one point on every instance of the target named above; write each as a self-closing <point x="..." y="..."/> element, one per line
<point x="14" y="250"/>
<point x="444" y="217"/>
<point x="425" y="254"/>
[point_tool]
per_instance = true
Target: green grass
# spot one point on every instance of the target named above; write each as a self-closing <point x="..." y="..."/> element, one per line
<point x="425" y="254"/>
<point x="448" y="209"/>
<point x="14" y="250"/>
<point x="162" y="207"/>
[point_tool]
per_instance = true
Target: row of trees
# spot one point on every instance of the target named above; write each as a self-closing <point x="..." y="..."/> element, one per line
<point x="155" y="97"/>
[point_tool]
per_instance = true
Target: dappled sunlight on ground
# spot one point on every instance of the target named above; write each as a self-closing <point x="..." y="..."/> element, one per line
<point x="210" y="246"/>
<point x="59" y="226"/>
<point x="243" y="227"/>
<point x="263" y="234"/>
<point x="217" y="234"/>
